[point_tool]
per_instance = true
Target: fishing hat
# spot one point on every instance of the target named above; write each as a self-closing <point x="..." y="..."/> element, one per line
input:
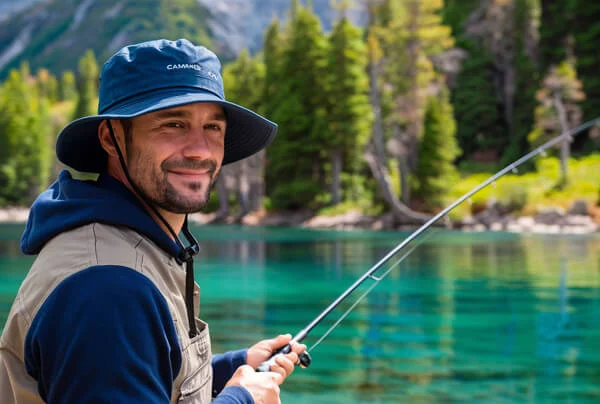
<point x="155" y="75"/>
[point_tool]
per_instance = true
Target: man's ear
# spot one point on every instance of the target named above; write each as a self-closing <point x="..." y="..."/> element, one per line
<point x="106" y="140"/>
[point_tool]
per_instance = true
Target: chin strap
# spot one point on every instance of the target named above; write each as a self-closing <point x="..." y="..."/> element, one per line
<point x="186" y="255"/>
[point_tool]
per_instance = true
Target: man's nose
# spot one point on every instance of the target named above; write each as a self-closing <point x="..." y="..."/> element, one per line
<point x="197" y="144"/>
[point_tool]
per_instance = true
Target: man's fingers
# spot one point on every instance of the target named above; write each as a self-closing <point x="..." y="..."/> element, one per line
<point x="281" y="340"/>
<point x="284" y="365"/>
<point x="298" y="348"/>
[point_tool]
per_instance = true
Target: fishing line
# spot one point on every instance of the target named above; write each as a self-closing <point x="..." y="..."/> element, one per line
<point x="512" y="167"/>
<point x="376" y="279"/>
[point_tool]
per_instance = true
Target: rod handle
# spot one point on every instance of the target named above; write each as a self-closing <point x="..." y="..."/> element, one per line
<point x="304" y="359"/>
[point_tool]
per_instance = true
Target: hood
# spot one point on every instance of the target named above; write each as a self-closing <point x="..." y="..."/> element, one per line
<point x="70" y="203"/>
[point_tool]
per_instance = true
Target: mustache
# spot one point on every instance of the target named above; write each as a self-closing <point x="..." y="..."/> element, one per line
<point x="189" y="164"/>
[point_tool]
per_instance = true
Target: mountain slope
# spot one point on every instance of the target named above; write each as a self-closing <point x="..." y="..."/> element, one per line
<point x="56" y="33"/>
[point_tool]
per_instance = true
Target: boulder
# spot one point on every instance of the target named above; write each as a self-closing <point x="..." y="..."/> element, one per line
<point x="580" y="208"/>
<point x="550" y="216"/>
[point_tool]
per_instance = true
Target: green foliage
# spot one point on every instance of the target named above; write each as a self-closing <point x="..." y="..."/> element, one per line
<point x="87" y="86"/>
<point x="413" y="35"/>
<point x="350" y="114"/>
<point x="456" y="13"/>
<point x="529" y="193"/>
<point x="296" y="158"/>
<point x="68" y="90"/>
<point x="24" y="139"/>
<point x="527" y="79"/>
<point x="477" y="110"/>
<point x="273" y="49"/>
<point x="435" y="173"/>
<point x="559" y="86"/>
<point x="315" y="87"/>
<point x="47" y="85"/>
<point x="586" y="30"/>
<point x="556" y="23"/>
<point x="245" y="81"/>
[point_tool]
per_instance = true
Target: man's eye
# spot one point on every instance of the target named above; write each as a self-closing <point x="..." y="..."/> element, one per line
<point x="173" y="125"/>
<point x="214" y="126"/>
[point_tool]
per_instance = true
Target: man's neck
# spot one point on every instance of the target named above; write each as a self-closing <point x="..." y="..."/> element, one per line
<point x="174" y="220"/>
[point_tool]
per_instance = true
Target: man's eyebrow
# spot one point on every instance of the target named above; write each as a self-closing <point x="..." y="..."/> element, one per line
<point x="219" y="116"/>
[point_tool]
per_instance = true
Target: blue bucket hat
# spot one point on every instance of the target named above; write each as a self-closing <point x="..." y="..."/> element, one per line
<point x="155" y="75"/>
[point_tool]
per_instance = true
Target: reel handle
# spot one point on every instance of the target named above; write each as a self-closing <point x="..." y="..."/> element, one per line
<point x="304" y="359"/>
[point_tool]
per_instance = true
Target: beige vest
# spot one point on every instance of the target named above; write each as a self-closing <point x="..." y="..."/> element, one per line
<point x="81" y="248"/>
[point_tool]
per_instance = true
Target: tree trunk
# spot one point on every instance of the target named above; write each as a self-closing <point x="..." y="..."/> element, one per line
<point x="257" y="182"/>
<point x="375" y="155"/>
<point x="222" y="192"/>
<point x="336" y="176"/>
<point x="404" y="171"/>
<point x="243" y="187"/>
<point x="402" y="212"/>
<point x="565" y="147"/>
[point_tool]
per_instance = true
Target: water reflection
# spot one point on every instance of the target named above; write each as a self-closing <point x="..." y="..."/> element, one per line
<point x="465" y="317"/>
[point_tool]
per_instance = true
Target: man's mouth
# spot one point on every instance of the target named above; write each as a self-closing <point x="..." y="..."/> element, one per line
<point x="190" y="169"/>
<point x="192" y="174"/>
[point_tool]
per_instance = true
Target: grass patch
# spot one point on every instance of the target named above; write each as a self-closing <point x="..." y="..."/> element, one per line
<point x="346" y="207"/>
<point x="526" y="194"/>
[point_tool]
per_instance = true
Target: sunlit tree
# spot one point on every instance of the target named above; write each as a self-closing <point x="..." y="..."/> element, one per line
<point x="87" y="85"/>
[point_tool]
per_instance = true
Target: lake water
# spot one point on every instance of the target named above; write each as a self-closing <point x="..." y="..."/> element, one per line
<point x="465" y="317"/>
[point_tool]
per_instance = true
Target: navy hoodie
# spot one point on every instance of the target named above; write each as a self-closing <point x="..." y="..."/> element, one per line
<point x="70" y="203"/>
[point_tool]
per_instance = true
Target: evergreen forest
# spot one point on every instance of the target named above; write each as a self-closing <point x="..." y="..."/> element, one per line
<point x="400" y="115"/>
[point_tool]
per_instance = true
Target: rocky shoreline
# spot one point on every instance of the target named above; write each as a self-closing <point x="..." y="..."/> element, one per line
<point x="579" y="219"/>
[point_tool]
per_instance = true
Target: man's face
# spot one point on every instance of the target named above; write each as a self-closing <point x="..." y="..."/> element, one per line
<point x="174" y="155"/>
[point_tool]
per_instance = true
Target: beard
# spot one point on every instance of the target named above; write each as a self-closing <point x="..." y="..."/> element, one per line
<point x="155" y="187"/>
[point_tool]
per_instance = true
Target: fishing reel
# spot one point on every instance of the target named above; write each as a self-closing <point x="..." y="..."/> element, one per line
<point x="304" y="360"/>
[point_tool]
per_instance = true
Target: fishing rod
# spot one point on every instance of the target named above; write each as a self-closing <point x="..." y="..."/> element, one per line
<point x="304" y="358"/>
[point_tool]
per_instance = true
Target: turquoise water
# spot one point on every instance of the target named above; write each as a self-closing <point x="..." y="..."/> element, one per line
<point x="480" y="317"/>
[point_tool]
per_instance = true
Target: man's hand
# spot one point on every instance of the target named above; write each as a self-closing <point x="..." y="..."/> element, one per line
<point x="263" y="387"/>
<point x="284" y="364"/>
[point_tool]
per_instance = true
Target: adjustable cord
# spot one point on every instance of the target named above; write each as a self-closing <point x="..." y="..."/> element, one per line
<point x="187" y="253"/>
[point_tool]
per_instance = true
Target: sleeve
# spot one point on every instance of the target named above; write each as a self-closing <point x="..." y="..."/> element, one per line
<point x="224" y="366"/>
<point x="234" y="395"/>
<point x="104" y="334"/>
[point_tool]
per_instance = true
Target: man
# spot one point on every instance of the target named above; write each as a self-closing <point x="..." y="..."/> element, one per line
<point x="109" y="310"/>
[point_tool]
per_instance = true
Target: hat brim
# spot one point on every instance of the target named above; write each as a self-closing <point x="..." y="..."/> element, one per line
<point x="247" y="132"/>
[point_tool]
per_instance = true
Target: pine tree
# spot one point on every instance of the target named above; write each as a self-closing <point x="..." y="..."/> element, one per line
<point x="412" y="38"/>
<point x="558" y="110"/>
<point x="300" y="113"/>
<point x="586" y="14"/>
<point x="67" y="88"/>
<point x="435" y="173"/>
<point x="350" y="114"/>
<point x="24" y="139"/>
<point x="477" y="110"/>
<point x="273" y="49"/>
<point x="527" y="81"/>
<point x="87" y="85"/>
<point x="555" y="31"/>
<point x="244" y="81"/>
<point x="47" y="85"/>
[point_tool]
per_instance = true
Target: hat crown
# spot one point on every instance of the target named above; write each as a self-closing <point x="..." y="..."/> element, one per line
<point x="154" y="65"/>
